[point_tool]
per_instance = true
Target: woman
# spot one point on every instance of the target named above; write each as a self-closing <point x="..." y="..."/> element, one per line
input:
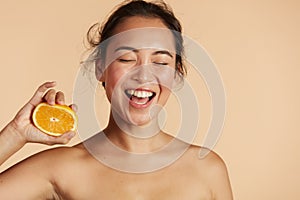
<point x="128" y="70"/>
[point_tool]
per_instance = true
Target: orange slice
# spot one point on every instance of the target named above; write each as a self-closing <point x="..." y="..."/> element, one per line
<point x="54" y="120"/>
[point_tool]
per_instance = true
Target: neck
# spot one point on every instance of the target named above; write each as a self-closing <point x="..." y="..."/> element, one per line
<point x="133" y="138"/>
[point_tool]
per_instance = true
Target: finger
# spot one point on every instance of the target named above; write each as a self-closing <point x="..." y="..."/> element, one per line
<point x="63" y="139"/>
<point x="74" y="107"/>
<point x="38" y="95"/>
<point x="68" y="136"/>
<point x="50" y="96"/>
<point x="60" y="98"/>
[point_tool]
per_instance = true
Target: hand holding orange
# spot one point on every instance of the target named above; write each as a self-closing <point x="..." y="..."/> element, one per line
<point x="54" y="120"/>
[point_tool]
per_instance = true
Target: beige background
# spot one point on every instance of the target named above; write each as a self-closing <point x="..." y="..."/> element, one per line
<point x="255" y="44"/>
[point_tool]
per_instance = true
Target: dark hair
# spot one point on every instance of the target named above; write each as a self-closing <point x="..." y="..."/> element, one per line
<point x="159" y="9"/>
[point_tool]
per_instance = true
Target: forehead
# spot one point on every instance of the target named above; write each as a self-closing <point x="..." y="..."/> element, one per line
<point x="141" y="32"/>
<point x="138" y="22"/>
<point x="143" y="38"/>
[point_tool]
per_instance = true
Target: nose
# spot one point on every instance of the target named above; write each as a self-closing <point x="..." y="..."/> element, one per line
<point x="143" y="74"/>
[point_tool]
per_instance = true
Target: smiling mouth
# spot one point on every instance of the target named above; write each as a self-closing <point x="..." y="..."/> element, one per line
<point x="140" y="97"/>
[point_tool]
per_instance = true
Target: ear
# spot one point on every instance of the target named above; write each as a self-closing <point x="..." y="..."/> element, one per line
<point x="100" y="74"/>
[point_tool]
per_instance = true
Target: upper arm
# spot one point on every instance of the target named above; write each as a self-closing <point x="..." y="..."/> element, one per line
<point x="219" y="179"/>
<point x="29" y="179"/>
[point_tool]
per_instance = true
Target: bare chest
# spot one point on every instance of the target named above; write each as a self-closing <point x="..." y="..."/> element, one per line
<point x="89" y="179"/>
<point x="116" y="185"/>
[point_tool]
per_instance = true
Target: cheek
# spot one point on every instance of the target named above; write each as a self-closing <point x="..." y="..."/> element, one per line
<point x="164" y="95"/>
<point x="112" y="76"/>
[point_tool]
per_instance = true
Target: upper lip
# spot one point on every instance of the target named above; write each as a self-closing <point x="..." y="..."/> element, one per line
<point x="140" y="92"/>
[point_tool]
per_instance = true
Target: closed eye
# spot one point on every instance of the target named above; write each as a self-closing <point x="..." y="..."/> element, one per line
<point x="160" y="63"/>
<point x="125" y="60"/>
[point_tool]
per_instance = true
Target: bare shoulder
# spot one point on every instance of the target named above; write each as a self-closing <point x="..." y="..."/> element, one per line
<point x="206" y="158"/>
<point x="205" y="163"/>
<point x="58" y="155"/>
<point x="43" y="170"/>
<point x="48" y="162"/>
<point x="210" y="167"/>
<point x="62" y="158"/>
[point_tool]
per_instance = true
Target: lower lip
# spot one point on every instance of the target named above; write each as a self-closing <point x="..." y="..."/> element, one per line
<point x="140" y="106"/>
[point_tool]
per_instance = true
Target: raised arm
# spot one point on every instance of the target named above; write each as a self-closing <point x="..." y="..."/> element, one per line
<point x="20" y="130"/>
<point x="32" y="178"/>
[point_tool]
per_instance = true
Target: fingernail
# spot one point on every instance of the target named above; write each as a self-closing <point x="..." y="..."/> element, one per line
<point x="74" y="107"/>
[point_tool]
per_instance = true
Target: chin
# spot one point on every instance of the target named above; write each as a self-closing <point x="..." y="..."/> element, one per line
<point x="140" y="120"/>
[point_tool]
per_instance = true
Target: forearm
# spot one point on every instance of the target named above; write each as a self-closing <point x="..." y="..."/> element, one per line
<point x="10" y="142"/>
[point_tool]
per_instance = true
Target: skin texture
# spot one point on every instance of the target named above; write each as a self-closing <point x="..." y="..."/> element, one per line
<point x="73" y="173"/>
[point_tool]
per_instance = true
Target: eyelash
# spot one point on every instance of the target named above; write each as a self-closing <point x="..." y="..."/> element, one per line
<point x="125" y="61"/>
<point x="157" y="63"/>
<point x="128" y="61"/>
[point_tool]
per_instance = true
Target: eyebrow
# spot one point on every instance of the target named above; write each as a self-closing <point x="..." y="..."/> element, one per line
<point x="126" y="48"/>
<point x="163" y="52"/>
<point x="136" y="50"/>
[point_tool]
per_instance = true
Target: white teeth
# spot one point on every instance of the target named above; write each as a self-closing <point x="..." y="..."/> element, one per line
<point x="131" y="92"/>
<point x="140" y="94"/>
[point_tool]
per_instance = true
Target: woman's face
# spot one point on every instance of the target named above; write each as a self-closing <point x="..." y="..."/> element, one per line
<point x="140" y="68"/>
